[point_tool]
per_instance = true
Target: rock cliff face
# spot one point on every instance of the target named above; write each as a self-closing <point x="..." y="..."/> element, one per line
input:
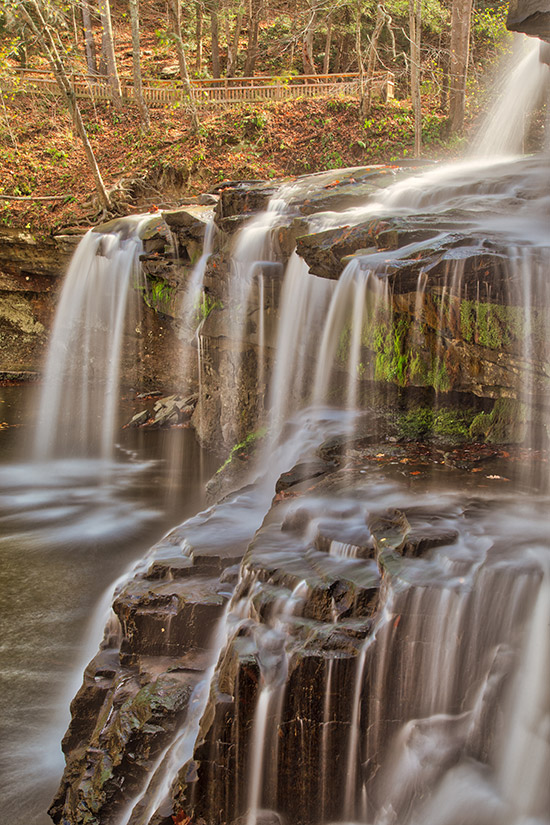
<point x="529" y="16"/>
<point x="29" y="282"/>
<point x="451" y="319"/>
<point x="136" y="691"/>
<point x="307" y="597"/>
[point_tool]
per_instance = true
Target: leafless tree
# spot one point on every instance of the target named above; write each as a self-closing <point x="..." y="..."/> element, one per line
<point x="31" y="11"/>
<point x="108" y="47"/>
<point x="136" y="65"/>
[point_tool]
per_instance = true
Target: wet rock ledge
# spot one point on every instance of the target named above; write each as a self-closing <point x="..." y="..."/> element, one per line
<point x="136" y="691"/>
<point x="306" y="594"/>
<point x="448" y="318"/>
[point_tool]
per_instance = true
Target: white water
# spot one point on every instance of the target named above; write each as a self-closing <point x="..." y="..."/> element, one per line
<point x="439" y="617"/>
<point x="524" y="87"/>
<point x="438" y="753"/>
<point x="79" y="401"/>
<point x="194" y="289"/>
<point x="234" y="520"/>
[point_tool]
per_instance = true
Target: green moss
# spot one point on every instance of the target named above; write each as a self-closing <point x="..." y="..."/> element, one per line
<point x="157" y="295"/>
<point x="438" y="377"/>
<point x="452" y="424"/>
<point x="416" y="424"/>
<point x="392" y="353"/>
<point x="497" y="326"/>
<point x="243" y="446"/>
<point x="505" y="424"/>
<point x="417" y="368"/>
<point x="490" y="332"/>
<point x="206" y="305"/>
<point x="467" y="320"/>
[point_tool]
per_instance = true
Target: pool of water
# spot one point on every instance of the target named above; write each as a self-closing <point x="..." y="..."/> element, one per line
<point x="68" y="531"/>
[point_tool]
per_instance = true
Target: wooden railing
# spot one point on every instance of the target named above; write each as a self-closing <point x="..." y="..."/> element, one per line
<point x="205" y="91"/>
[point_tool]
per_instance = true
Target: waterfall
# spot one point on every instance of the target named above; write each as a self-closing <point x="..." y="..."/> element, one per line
<point x="525" y="87"/>
<point x="352" y="678"/>
<point x="442" y="748"/>
<point x="194" y="288"/>
<point x="79" y="400"/>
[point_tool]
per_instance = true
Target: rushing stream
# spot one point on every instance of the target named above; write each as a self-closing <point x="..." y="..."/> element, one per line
<point x="380" y="652"/>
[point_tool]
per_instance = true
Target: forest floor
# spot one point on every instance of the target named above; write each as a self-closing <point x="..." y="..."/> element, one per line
<point x="40" y="155"/>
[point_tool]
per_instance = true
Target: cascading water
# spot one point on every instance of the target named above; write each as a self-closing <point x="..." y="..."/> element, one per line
<point x="412" y="738"/>
<point x="383" y="657"/>
<point x="77" y="505"/>
<point x="526" y="86"/>
<point x="79" y="402"/>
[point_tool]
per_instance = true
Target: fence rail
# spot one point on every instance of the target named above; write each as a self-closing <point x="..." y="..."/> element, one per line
<point x="205" y="91"/>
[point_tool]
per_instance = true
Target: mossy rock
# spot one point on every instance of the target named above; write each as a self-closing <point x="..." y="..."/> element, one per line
<point x="452" y="425"/>
<point x="505" y="424"/>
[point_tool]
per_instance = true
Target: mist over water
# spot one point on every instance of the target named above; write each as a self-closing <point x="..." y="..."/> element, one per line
<point x="68" y="529"/>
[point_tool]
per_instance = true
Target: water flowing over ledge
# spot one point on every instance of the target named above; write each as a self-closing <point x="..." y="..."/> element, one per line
<point x="356" y="630"/>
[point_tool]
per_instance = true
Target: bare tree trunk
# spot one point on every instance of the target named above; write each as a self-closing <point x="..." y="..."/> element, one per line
<point x="340" y="40"/>
<point x="198" y="37"/>
<point x="215" y="34"/>
<point x="381" y="19"/>
<point x="175" y="11"/>
<point x="328" y="41"/>
<point x="359" y="56"/>
<point x="89" y="42"/>
<point x="308" y="61"/>
<point x="109" y="51"/>
<point x="444" y="63"/>
<point x="415" y="20"/>
<point x="254" y="17"/>
<point x="75" y="27"/>
<point x="44" y="36"/>
<point x="138" y="86"/>
<point x="233" y="47"/>
<point x="460" y="50"/>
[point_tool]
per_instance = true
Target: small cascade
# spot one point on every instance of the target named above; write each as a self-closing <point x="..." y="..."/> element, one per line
<point x="220" y="533"/>
<point x="180" y="750"/>
<point x="350" y="322"/>
<point x="273" y="661"/>
<point x="79" y="401"/>
<point x="254" y="250"/>
<point x="525" y="87"/>
<point x="303" y="306"/>
<point x="524" y="748"/>
<point x="325" y="743"/>
<point x="454" y="711"/>
<point x="194" y="288"/>
<point x="255" y="266"/>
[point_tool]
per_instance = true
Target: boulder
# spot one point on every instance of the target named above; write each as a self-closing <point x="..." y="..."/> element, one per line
<point x="530" y="17"/>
